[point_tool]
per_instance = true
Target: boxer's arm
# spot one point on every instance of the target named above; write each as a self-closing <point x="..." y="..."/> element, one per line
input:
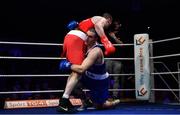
<point x="99" y="27"/>
<point x="88" y="61"/>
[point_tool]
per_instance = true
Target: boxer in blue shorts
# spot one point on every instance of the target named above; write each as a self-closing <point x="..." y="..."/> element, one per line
<point x="94" y="74"/>
<point x="98" y="89"/>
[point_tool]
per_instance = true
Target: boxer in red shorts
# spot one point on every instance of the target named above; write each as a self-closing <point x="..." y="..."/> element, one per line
<point x="74" y="49"/>
<point x="74" y="46"/>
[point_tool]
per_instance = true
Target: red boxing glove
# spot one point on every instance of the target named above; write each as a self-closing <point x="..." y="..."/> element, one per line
<point x="109" y="48"/>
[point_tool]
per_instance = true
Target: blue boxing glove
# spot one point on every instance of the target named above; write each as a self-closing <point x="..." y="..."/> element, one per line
<point x="72" y="25"/>
<point x="65" y="65"/>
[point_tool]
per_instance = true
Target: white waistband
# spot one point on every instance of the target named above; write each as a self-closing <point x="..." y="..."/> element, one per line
<point x="97" y="76"/>
<point x="79" y="33"/>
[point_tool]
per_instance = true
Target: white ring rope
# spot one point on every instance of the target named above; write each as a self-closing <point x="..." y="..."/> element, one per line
<point x="54" y="75"/>
<point x="55" y="58"/>
<point x="34" y="58"/>
<point x="165" y="89"/>
<point x="60" y="91"/>
<point x="58" y="58"/>
<point x="65" y="75"/>
<point x="50" y="44"/>
<point x="165" y="40"/>
<point x="31" y="43"/>
<point x="55" y="91"/>
<point x="119" y="58"/>
<point x="163" y="73"/>
<point x="172" y="55"/>
<point x="58" y="44"/>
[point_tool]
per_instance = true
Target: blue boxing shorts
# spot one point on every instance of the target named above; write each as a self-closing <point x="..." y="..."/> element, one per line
<point x="98" y="88"/>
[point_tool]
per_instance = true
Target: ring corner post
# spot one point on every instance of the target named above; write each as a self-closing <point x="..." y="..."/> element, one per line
<point x="142" y="68"/>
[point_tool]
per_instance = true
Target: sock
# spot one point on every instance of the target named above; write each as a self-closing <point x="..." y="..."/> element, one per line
<point x="65" y="96"/>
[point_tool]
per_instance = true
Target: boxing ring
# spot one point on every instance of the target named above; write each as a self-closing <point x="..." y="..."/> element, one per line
<point x="149" y="106"/>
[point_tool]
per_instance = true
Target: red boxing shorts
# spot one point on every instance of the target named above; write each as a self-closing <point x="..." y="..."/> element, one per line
<point x="74" y="46"/>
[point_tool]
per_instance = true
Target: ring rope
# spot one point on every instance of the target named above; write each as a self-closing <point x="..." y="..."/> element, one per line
<point x="58" y="58"/>
<point x="58" y="44"/>
<point x="51" y="44"/>
<point x="172" y="55"/>
<point x="64" y="75"/>
<point x="60" y="91"/>
<point x="165" y="40"/>
<point x="163" y="73"/>
<point x="54" y="75"/>
<point x="31" y="43"/>
<point x="34" y="58"/>
<point x="55" y="91"/>
<point x="165" y="89"/>
<point x="55" y="58"/>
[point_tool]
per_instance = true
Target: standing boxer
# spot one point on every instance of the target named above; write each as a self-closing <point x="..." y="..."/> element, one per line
<point x="74" y="48"/>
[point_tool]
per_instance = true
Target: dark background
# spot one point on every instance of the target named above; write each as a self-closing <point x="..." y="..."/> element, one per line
<point x="45" y="20"/>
